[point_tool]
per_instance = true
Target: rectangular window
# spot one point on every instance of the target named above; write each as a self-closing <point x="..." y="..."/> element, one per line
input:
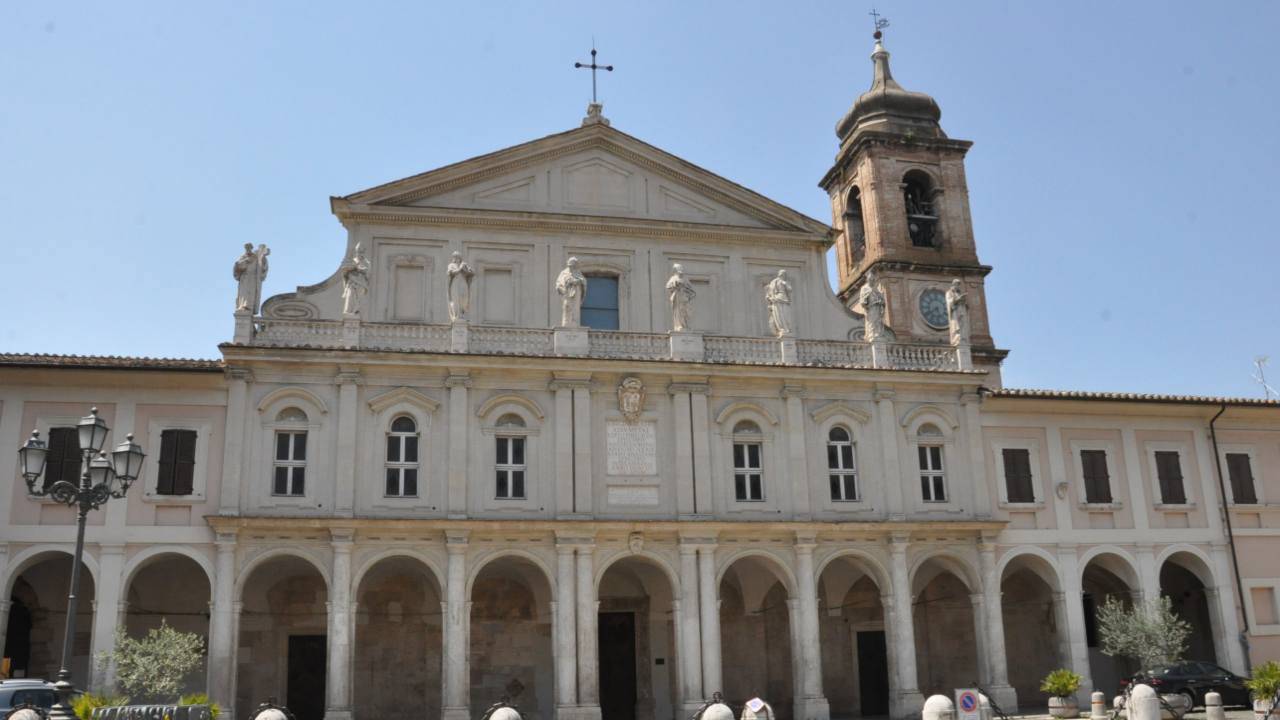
<point x="176" y="475"/>
<point x="748" y="478"/>
<point x="402" y="466"/>
<point x="1097" y="481"/>
<point x="1241" y="474"/>
<point x="510" y="467"/>
<point x="63" y="460"/>
<point x="933" y="479"/>
<point x="1169" y="473"/>
<point x="290" y="464"/>
<point x="1017" y="475"/>
<point x="841" y="472"/>
<point x="600" y="305"/>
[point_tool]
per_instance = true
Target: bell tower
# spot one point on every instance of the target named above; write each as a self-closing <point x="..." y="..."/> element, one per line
<point x="901" y="206"/>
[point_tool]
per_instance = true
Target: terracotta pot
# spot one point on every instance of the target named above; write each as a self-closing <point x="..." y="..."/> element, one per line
<point x="1064" y="707"/>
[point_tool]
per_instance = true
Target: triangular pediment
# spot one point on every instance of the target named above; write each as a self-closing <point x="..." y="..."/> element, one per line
<point x="593" y="171"/>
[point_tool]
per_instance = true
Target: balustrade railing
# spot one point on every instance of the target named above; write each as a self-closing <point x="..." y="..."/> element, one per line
<point x="488" y="339"/>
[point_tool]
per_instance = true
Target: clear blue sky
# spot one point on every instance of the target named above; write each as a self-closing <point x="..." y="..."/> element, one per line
<point x="1122" y="178"/>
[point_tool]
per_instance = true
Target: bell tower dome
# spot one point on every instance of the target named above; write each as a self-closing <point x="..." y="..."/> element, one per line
<point x="901" y="206"/>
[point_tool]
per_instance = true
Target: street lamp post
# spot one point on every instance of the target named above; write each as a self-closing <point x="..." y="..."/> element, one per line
<point x="101" y="479"/>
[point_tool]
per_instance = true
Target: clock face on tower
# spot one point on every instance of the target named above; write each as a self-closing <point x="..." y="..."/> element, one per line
<point x="933" y="308"/>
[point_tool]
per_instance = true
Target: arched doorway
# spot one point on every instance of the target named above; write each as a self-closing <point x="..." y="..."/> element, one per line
<point x="38" y="592"/>
<point x="943" y="617"/>
<point x="1184" y="579"/>
<point x="637" y="643"/>
<point x="755" y="635"/>
<point x="170" y="588"/>
<point x="398" y="641"/>
<point x="1106" y="576"/>
<point x="1034" y="626"/>
<point x="283" y="650"/>
<point x="511" y="637"/>
<point x="851" y="621"/>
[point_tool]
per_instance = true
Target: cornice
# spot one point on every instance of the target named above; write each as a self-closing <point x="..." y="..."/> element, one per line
<point x="538" y="222"/>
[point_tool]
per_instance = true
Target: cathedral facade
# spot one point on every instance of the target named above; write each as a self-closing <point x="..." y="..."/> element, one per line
<point x="581" y="424"/>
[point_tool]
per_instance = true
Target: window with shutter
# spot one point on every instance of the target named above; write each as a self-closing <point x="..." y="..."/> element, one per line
<point x="1169" y="473"/>
<point x="63" y="460"/>
<point x="1097" y="481"/>
<point x="1017" y="475"/>
<point x="176" y="475"/>
<point x="1241" y="474"/>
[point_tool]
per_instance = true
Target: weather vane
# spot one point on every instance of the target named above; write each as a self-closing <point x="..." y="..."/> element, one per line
<point x="881" y="23"/>
<point x="593" y="67"/>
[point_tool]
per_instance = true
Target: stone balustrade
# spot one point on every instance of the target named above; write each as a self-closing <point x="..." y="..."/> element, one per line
<point x="538" y="342"/>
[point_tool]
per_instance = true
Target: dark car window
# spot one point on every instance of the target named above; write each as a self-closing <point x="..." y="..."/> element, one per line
<point x="40" y="697"/>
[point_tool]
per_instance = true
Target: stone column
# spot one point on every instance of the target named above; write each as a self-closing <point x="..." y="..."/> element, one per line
<point x="702" y="439"/>
<point x="682" y="414"/>
<point x="1073" y="610"/>
<point x="1133" y="463"/>
<point x="566" y="634"/>
<point x="233" y="447"/>
<point x="997" y="659"/>
<point x="1148" y="573"/>
<point x="338" y="683"/>
<point x="108" y="592"/>
<point x="691" y="637"/>
<point x="894" y="499"/>
<point x="905" y="695"/>
<point x="588" y="661"/>
<point x="563" y="449"/>
<point x="457" y="618"/>
<point x="798" y="467"/>
<point x="222" y="641"/>
<point x="459" y="420"/>
<point x="810" y="702"/>
<point x="344" y="495"/>
<point x="709" y="601"/>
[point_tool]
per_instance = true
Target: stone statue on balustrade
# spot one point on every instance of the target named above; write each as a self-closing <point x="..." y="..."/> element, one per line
<point x="778" y="295"/>
<point x="958" y="313"/>
<point x="572" y="286"/>
<point x="249" y="271"/>
<point x="460" y="274"/>
<point x="872" y="299"/>
<point x="680" y="294"/>
<point x="355" y="283"/>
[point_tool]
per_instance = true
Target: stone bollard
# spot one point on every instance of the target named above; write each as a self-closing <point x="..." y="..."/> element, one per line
<point x="1117" y="703"/>
<point x="757" y="709"/>
<point x="1213" y="707"/>
<point x="940" y="707"/>
<point x="1097" y="706"/>
<point x="1143" y="704"/>
<point x="984" y="707"/>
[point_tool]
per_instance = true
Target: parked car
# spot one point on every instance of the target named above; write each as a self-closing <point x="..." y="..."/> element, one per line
<point x="26" y="691"/>
<point x="1193" y="678"/>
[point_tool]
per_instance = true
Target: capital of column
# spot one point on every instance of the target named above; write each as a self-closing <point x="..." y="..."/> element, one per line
<point x="790" y="391"/>
<point x="569" y="381"/>
<point x="692" y="388"/>
<point x="456" y="541"/>
<point x="110" y="549"/>
<point x="882" y="394"/>
<point x="898" y="543"/>
<point x="462" y="380"/>
<point x="342" y="539"/>
<point x="244" y="375"/>
<point x="805" y="543"/>
<point x="348" y="376"/>
<point x="225" y="541"/>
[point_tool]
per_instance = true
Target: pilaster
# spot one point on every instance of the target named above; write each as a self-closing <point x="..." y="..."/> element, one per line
<point x="703" y="502"/>
<point x="1073" y="610"/>
<point x="563" y="434"/>
<point x="566" y="634"/>
<point x="459" y="421"/>
<point x="588" y="613"/>
<point x="691" y="638"/>
<point x="709" y="604"/>
<point x="894" y="481"/>
<point x="232" y="490"/>
<point x="682" y="414"/>
<point x="993" y="606"/>
<point x="108" y="594"/>
<point x="798" y="460"/>
<point x="348" y="381"/>
<point x="583" y="484"/>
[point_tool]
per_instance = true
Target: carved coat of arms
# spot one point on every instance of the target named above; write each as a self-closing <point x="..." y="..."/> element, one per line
<point x="631" y="398"/>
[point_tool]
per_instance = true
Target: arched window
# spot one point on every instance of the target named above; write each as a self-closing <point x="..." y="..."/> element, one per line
<point x="841" y="469"/>
<point x="600" y="305"/>
<point x="933" y="476"/>
<point x="854" y="226"/>
<point x="922" y="216"/>
<point x="510" y="465"/>
<point x="748" y="473"/>
<point x="290" y="464"/>
<point x="402" y="458"/>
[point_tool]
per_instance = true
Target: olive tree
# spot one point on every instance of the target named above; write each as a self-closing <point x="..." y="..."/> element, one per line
<point x="1149" y="632"/>
<point x="152" y="668"/>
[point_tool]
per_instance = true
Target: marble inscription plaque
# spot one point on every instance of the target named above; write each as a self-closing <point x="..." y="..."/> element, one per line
<point x="633" y="495"/>
<point x="632" y="448"/>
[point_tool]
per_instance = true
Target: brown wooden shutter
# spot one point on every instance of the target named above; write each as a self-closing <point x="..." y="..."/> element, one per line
<point x="1097" y="482"/>
<point x="63" y="460"/>
<point x="1017" y="475"/>
<point x="1169" y="472"/>
<point x="1241" y="472"/>
<point x="185" y="463"/>
<point x="168" y="454"/>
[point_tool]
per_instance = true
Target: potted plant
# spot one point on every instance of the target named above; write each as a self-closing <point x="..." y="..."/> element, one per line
<point x="1264" y="686"/>
<point x="1062" y="684"/>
